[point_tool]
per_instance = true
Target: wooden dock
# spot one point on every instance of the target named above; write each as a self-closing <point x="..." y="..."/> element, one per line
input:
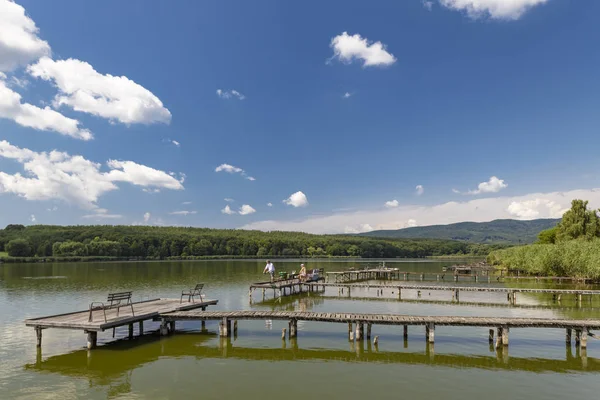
<point x="511" y="292"/>
<point x="286" y="287"/>
<point x="502" y="324"/>
<point x="144" y="310"/>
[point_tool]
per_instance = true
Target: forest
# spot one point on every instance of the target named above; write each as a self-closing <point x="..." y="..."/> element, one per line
<point x="158" y="243"/>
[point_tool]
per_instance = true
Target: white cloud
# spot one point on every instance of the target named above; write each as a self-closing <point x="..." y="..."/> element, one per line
<point x="297" y="199"/>
<point x="19" y="43"/>
<point x="251" y="178"/>
<point x="32" y="218"/>
<point x="228" y="94"/>
<point x="477" y="210"/>
<point x="30" y="116"/>
<point x="427" y="4"/>
<point x="147" y="216"/>
<point x="102" y="216"/>
<point x="493" y="185"/>
<point x="55" y="208"/>
<point x="419" y="190"/>
<point x="227" y="210"/>
<point x="495" y="9"/>
<point x="456" y="191"/>
<point x="269" y="204"/>
<point x="73" y="179"/>
<point x="116" y="98"/>
<point x="229" y="200"/>
<point x="530" y="209"/>
<point x="392" y="204"/>
<point x="183" y="212"/>
<point x="176" y="143"/>
<point x="19" y="82"/>
<point x="346" y="95"/>
<point x="149" y="190"/>
<point x="360" y="228"/>
<point x="228" y="168"/>
<point x="347" y="48"/>
<point x="186" y="203"/>
<point x="411" y="223"/>
<point x="246" y="209"/>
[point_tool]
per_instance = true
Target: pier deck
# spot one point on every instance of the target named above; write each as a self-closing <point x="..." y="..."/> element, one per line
<point x="144" y="310"/>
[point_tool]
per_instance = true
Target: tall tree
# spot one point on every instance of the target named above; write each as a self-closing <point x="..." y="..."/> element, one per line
<point x="578" y="222"/>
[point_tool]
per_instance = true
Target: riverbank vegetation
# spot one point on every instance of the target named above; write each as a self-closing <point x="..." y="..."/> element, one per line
<point x="155" y="243"/>
<point x="572" y="248"/>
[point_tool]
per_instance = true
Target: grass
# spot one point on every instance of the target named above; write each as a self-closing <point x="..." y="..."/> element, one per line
<point x="3" y="254"/>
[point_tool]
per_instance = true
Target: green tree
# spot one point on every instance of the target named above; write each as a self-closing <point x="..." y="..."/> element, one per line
<point x="578" y="222"/>
<point x="547" y="236"/>
<point x="19" y="248"/>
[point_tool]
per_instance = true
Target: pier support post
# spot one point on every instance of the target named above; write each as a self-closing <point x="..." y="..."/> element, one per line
<point x="514" y="298"/>
<point x="491" y="336"/>
<point x="350" y="334"/>
<point x="369" y="332"/>
<point x="141" y="328"/>
<point x="359" y="331"/>
<point x="568" y="336"/>
<point x="224" y="327"/>
<point x="235" y="327"/>
<point x="430" y="332"/>
<point x="500" y="336"/>
<point x="172" y="326"/>
<point x="505" y="336"/>
<point x="92" y="339"/>
<point x="203" y="325"/>
<point x="399" y="293"/>
<point x="584" y="335"/>
<point x="130" y="331"/>
<point x="456" y="295"/>
<point x="293" y="328"/>
<point x="405" y="332"/>
<point x="164" y="330"/>
<point x="577" y="337"/>
<point x="38" y="336"/>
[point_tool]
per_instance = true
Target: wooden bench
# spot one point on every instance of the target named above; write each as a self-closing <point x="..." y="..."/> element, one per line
<point x="191" y="293"/>
<point x="114" y="300"/>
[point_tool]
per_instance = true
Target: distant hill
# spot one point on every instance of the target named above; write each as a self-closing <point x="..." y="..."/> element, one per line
<point x="501" y="231"/>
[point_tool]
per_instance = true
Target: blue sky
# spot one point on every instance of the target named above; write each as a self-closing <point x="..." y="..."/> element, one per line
<point x="448" y="95"/>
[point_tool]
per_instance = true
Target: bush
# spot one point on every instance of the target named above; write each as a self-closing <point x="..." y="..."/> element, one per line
<point x="19" y="248"/>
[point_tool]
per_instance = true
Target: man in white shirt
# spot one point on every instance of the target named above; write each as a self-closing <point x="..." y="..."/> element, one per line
<point x="270" y="268"/>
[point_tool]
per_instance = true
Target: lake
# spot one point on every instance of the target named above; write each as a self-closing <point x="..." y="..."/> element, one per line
<point x="257" y="364"/>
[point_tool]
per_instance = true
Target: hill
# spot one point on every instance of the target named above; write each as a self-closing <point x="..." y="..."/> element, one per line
<point x="500" y="231"/>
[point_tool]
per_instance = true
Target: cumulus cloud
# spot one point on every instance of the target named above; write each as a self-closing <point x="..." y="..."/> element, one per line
<point x="495" y="9"/>
<point x="147" y="216"/>
<point x="176" y="143"/>
<point x="251" y="178"/>
<point x="246" y="209"/>
<point x="229" y="200"/>
<point x="297" y="199"/>
<point x="493" y="185"/>
<point x="57" y="175"/>
<point x="43" y="119"/>
<point x="360" y="228"/>
<point x="347" y="95"/>
<point x="184" y="212"/>
<point x="419" y="190"/>
<point x="530" y="209"/>
<point x="477" y="210"/>
<point x="19" y="43"/>
<point x="269" y="204"/>
<point x="228" y="168"/>
<point x="348" y="48"/>
<point x="228" y="94"/>
<point x="392" y="204"/>
<point x="116" y="98"/>
<point x="227" y="210"/>
<point x="427" y="4"/>
<point x="32" y="218"/>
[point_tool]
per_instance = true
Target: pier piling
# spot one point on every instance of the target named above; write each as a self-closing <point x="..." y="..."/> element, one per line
<point x="92" y="339"/>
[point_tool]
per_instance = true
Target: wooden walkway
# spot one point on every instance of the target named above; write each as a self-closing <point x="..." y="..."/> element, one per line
<point x="503" y="324"/>
<point x="511" y="292"/>
<point x="285" y="287"/>
<point x="144" y="310"/>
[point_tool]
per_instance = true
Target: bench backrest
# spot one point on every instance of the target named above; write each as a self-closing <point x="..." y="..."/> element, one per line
<point x="199" y="287"/>
<point x="112" y="297"/>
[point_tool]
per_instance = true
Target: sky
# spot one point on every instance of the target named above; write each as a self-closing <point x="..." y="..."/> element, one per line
<point x="323" y="117"/>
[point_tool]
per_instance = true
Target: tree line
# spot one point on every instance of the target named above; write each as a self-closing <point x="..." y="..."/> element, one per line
<point x="150" y="242"/>
<point x="572" y="248"/>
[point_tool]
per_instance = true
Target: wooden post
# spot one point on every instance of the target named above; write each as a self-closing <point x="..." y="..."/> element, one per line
<point x="283" y="334"/>
<point x="38" y="336"/>
<point x="499" y="337"/>
<point x="457" y="295"/>
<point x="130" y="331"/>
<point x="399" y="293"/>
<point x="568" y="337"/>
<point x="584" y="335"/>
<point x="228" y="328"/>
<point x="164" y="331"/>
<point x="430" y="332"/>
<point x="172" y="326"/>
<point x="405" y="332"/>
<point x="223" y="325"/>
<point x="514" y="298"/>
<point x="350" y="334"/>
<point x="92" y="339"/>
<point x="203" y="325"/>
<point x="491" y="336"/>
<point x="455" y="278"/>
<point x="359" y="331"/>
<point x="369" y="332"/>
<point x="235" y="327"/>
<point x="505" y="336"/>
<point x="141" y="328"/>
<point x="577" y="337"/>
<point x="293" y="328"/>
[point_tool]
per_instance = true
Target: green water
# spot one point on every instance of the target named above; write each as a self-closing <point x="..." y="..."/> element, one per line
<point x="257" y="364"/>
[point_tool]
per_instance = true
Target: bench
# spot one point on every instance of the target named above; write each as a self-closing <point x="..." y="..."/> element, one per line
<point x="114" y="300"/>
<point x="191" y="293"/>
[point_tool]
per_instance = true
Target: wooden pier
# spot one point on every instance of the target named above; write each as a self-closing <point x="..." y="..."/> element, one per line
<point x="511" y="292"/>
<point x="143" y="311"/>
<point x="502" y="324"/>
<point x="286" y="287"/>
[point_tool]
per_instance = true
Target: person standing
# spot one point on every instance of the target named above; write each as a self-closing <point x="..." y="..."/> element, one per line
<point x="270" y="269"/>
